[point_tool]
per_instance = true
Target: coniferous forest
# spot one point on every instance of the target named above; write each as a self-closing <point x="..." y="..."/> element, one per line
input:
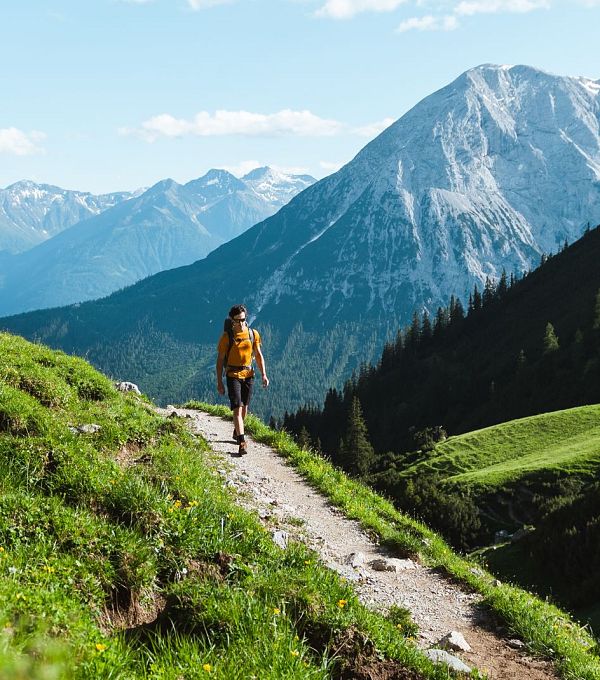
<point x="524" y="345"/>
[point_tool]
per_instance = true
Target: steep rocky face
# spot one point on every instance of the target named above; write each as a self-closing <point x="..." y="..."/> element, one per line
<point x="494" y="169"/>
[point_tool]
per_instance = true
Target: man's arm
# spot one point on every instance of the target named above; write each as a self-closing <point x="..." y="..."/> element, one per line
<point x="260" y="360"/>
<point x="220" y="362"/>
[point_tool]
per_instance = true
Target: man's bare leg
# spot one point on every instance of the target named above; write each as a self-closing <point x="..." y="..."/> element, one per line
<point x="238" y="420"/>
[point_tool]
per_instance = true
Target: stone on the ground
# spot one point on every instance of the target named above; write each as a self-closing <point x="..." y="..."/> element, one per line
<point x="456" y="641"/>
<point x="391" y="564"/>
<point x="442" y="656"/>
<point x="280" y="538"/>
<point x="515" y="644"/>
<point x="128" y="387"/>
<point x="90" y="428"/>
<point x="355" y="559"/>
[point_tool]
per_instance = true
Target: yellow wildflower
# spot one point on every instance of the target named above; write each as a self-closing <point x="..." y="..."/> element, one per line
<point x="177" y="504"/>
<point x="342" y="603"/>
<point x="295" y="652"/>
<point x="276" y="611"/>
<point x="207" y="667"/>
<point x="100" y="647"/>
<point x="20" y="596"/>
<point x="1" y="549"/>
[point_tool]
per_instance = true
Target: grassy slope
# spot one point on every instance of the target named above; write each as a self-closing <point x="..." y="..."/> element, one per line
<point x="566" y="441"/>
<point x="546" y="629"/>
<point x="124" y="556"/>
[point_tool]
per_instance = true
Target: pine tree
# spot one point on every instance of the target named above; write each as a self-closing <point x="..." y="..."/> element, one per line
<point x="304" y="441"/>
<point x="596" y="323"/>
<point x="426" y="330"/>
<point x="502" y="285"/>
<point x="357" y="454"/>
<point x="476" y="299"/>
<point x="550" y="339"/>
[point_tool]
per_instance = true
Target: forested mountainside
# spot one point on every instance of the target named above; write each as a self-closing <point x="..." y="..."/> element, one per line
<point x="517" y="348"/>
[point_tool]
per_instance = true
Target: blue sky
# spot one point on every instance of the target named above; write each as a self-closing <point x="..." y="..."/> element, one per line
<point x="105" y="95"/>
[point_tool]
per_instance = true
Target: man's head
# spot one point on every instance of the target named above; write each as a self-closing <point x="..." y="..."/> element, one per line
<point x="238" y="314"/>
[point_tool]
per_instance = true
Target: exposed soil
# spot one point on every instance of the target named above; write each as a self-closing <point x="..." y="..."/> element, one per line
<point x="285" y="501"/>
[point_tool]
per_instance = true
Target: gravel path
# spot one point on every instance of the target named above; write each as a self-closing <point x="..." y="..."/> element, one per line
<point x="285" y="502"/>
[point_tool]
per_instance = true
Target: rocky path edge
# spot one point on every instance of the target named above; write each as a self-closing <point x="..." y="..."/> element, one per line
<point x="292" y="510"/>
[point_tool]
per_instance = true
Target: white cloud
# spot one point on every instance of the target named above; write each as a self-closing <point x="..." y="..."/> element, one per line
<point x="203" y="4"/>
<point x="204" y="124"/>
<point x="428" y="23"/>
<point x="331" y="166"/>
<point x="373" y="129"/>
<point x="470" y="7"/>
<point x="248" y="124"/>
<point x="19" y="143"/>
<point x="346" y="9"/>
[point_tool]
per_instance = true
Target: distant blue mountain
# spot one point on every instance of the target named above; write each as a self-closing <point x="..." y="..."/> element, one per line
<point x="167" y="226"/>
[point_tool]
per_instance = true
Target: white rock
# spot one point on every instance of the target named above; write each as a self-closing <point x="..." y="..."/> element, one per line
<point x="90" y="428"/>
<point x="391" y="564"/>
<point x="128" y="387"/>
<point x="280" y="538"/>
<point x="456" y="641"/>
<point x="441" y="656"/>
<point x="355" y="559"/>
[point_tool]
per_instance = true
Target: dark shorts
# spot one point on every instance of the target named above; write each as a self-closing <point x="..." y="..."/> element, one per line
<point x="239" y="391"/>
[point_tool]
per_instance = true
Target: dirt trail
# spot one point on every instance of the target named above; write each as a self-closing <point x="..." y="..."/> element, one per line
<point x="285" y="501"/>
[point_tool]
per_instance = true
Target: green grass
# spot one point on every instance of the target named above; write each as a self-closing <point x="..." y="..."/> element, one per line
<point x="566" y="441"/>
<point x="547" y="631"/>
<point x="124" y="555"/>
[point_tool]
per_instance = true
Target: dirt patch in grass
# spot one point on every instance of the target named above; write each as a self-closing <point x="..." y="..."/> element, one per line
<point x="358" y="660"/>
<point x="138" y="612"/>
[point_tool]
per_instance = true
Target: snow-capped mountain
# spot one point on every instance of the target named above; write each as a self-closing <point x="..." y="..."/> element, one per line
<point x="167" y="226"/>
<point x="275" y="186"/>
<point x="31" y="213"/>
<point x="487" y="173"/>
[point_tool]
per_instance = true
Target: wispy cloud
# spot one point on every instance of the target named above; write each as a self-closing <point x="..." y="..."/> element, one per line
<point x="331" y="166"/>
<point x="204" y="4"/>
<point x="19" y="143"/>
<point x="470" y="7"/>
<point x="428" y="23"/>
<point x="373" y="129"/>
<point x="346" y="9"/>
<point x="245" y="123"/>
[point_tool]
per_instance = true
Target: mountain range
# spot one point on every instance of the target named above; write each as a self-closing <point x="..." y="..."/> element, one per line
<point x="165" y="226"/>
<point x="488" y="173"/>
<point x="31" y="213"/>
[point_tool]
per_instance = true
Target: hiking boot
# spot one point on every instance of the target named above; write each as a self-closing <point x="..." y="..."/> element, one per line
<point x="243" y="448"/>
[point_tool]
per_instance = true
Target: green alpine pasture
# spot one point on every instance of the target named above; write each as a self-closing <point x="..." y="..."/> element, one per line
<point x="547" y="630"/>
<point x="124" y="555"/>
<point x="563" y="441"/>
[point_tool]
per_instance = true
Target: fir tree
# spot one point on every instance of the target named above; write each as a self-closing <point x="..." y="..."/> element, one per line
<point x="502" y="285"/>
<point x="304" y="441"/>
<point x="596" y="323"/>
<point x="426" y="330"/>
<point x="356" y="452"/>
<point x="550" y="339"/>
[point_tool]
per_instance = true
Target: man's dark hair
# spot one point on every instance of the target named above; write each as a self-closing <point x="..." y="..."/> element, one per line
<point x="237" y="309"/>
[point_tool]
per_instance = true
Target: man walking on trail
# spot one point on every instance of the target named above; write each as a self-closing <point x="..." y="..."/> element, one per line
<point x="235" y="350"/>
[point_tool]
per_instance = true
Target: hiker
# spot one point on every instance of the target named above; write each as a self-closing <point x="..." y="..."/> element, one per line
<point x="235" y="350"/>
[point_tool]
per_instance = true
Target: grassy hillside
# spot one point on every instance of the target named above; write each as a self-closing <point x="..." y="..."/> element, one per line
<point x="123" y="555"/>
<point x="563" y="441"/>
